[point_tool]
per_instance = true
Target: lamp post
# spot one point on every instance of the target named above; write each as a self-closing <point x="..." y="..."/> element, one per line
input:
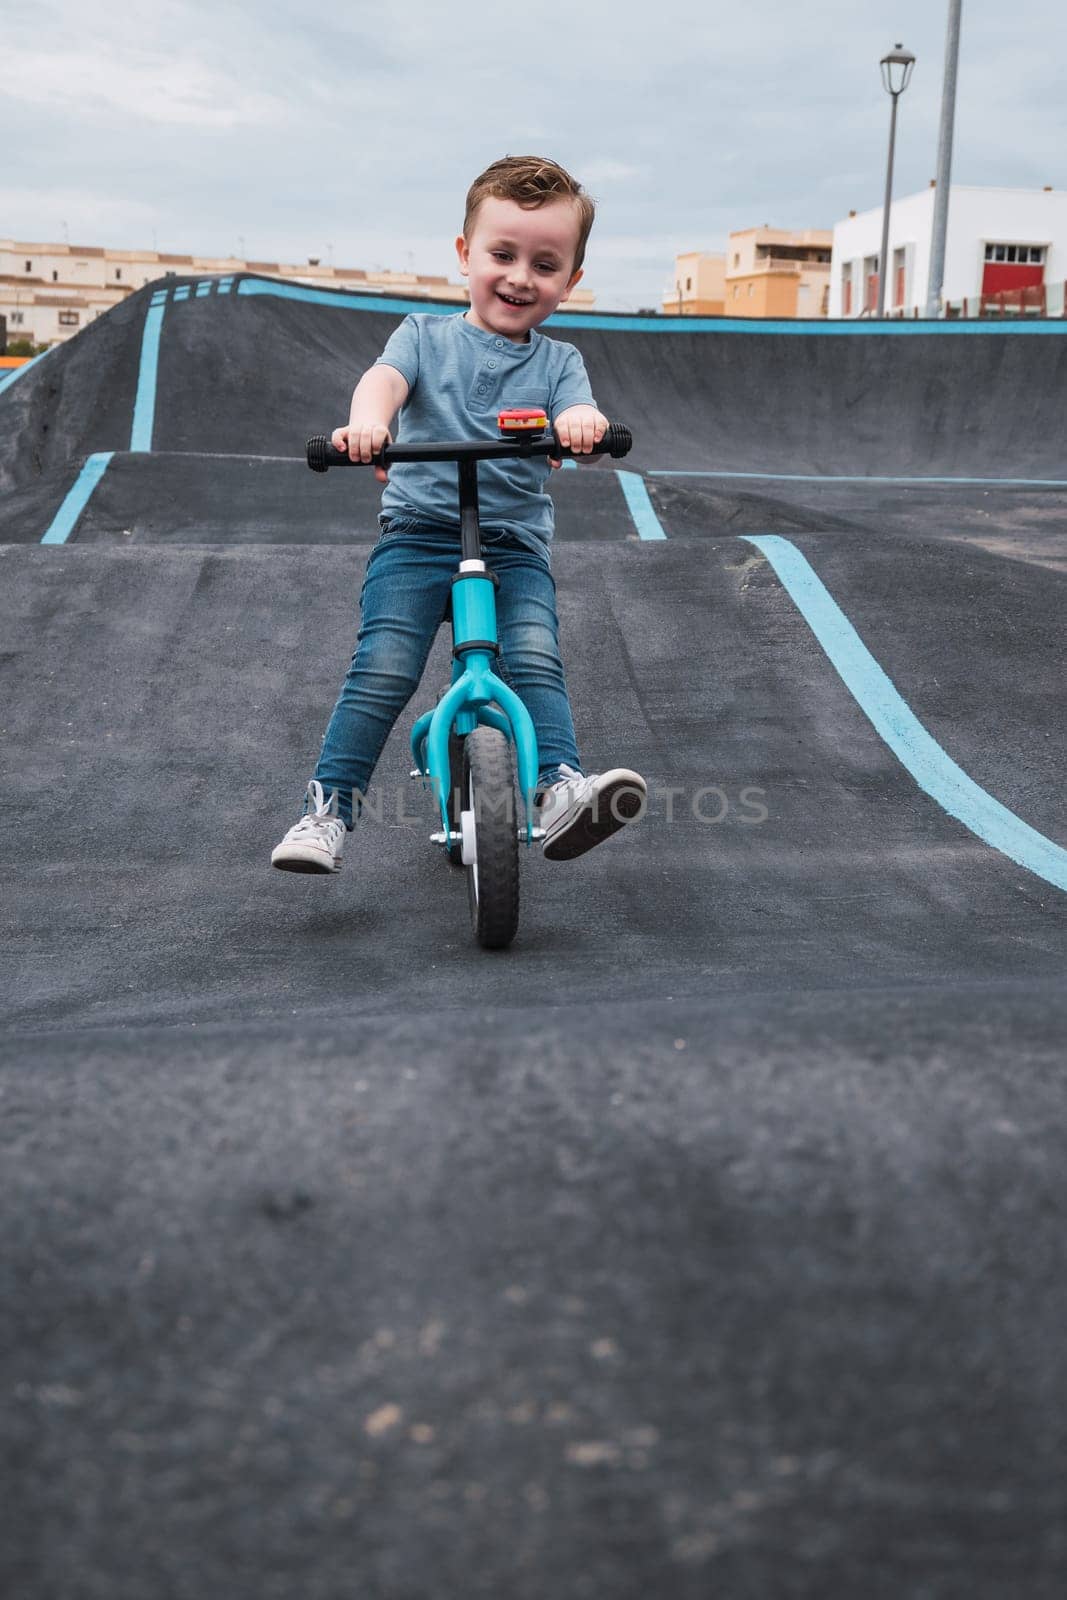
<point x="896" y="75"/>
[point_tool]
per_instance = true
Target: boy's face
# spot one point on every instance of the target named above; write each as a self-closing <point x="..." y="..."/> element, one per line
<point x="519" y="264"/>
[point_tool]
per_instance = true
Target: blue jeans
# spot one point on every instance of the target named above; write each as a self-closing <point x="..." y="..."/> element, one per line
<point x="404" y="600"/>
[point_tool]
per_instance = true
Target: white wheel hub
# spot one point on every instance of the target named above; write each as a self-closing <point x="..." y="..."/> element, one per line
<point x="469" y="838"/>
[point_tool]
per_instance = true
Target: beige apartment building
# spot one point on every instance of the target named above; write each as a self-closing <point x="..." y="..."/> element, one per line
<point x="48" y="292"/>
<point x="765" y="272"/>
<point x="699" y="286"/>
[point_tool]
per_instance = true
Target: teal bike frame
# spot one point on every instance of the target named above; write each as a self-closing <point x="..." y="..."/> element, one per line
<point x="476" y="690"/>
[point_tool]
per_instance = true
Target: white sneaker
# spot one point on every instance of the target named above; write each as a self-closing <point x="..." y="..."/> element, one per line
<point x="313" y="844"/>
<point x="577" y="813"/>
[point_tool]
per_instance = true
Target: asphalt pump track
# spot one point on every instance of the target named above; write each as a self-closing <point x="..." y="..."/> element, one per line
<point x="707" y="1241"/>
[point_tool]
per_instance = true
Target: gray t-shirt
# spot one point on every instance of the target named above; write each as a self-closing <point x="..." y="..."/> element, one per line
<point x="460" y="377"/>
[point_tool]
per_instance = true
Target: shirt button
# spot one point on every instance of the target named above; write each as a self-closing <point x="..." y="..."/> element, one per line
<point x="490" y="363"/>
<point x="483" y="388"/>
<point x="499" y="343"/>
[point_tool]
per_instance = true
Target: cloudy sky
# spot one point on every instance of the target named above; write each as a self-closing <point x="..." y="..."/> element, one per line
<point x="351" y="132"/>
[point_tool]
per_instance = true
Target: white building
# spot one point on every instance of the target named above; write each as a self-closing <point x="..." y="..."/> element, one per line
<point x="1000" y="242"/>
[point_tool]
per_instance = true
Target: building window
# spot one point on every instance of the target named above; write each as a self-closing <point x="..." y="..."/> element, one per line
<point x="17" y="319"/>
<point x="29" y="266"/>
<point x="737" y="261"/>
<point x="118" y="274"/>
<point x="751" y="287"/>
<point x="737" y="290"/>
<point x="688" y="284"/>
<point x="68" y="319"/>
<point x="1016" y="254"/>
<point x="55" y="275"/>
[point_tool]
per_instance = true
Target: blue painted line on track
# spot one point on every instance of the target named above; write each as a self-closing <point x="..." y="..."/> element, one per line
<point x="607" y="322"/>
<point x="144" y="406"/>
<point x="341" y="299"/>
<point x="933" y="770"/>
<point x="78" y="497"/>
<point x="645" y="519"/>
<point x="831" y="477"/>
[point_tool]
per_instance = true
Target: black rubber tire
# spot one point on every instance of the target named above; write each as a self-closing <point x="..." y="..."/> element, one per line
<point x="493" y="883"/>
<point x="455" y="791"/>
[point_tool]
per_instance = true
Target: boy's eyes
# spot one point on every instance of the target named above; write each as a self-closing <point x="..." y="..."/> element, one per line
<point x="505" y="255"/>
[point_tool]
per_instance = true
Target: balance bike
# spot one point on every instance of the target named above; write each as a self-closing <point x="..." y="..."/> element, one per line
<point x="468" y="746"/>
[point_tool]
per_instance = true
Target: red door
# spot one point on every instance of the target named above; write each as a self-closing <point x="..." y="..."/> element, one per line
<point x="1001" y="276"/>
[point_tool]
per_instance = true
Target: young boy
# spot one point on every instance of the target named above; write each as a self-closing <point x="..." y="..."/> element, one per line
<point x="522" y="247"/>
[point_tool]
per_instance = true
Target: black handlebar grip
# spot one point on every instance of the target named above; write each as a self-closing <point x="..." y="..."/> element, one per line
<point x="321" y="454"/>
<point x="618" y="441"/>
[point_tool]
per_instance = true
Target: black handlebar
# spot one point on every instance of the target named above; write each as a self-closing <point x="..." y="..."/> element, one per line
<point x="321" y="454"/>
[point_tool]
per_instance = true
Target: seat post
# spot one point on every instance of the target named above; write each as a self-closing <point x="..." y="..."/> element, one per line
<point x="469" y="528"/>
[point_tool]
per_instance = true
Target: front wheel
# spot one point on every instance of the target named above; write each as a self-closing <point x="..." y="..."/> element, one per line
<point x="490" y="837"/>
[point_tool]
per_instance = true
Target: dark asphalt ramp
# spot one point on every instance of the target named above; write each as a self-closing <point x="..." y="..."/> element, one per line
<point x="259" y="367"/>
<point x="254" y="374"/>
<point x="215" y="499"/>
<point x="74" y="401"/>
<point x="754" y="1295"/>
<point x="175" y="700"/>
<point x="705" y="1242"/>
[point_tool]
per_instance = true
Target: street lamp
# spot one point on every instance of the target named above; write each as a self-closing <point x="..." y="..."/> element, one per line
<point x="896" y="75"/>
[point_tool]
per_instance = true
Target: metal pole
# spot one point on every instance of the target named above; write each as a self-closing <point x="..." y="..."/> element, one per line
<point x="939" y="230"/>
<point x="882" y="265"/>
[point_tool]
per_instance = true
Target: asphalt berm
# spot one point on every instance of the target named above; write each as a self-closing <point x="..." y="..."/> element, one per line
<point x="707" y="1242"/>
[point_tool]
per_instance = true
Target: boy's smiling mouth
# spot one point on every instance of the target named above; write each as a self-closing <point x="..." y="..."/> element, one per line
<point x="510" y="300"/>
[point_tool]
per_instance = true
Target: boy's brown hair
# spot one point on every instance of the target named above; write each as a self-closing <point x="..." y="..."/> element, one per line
<point x="531" y="181"/>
